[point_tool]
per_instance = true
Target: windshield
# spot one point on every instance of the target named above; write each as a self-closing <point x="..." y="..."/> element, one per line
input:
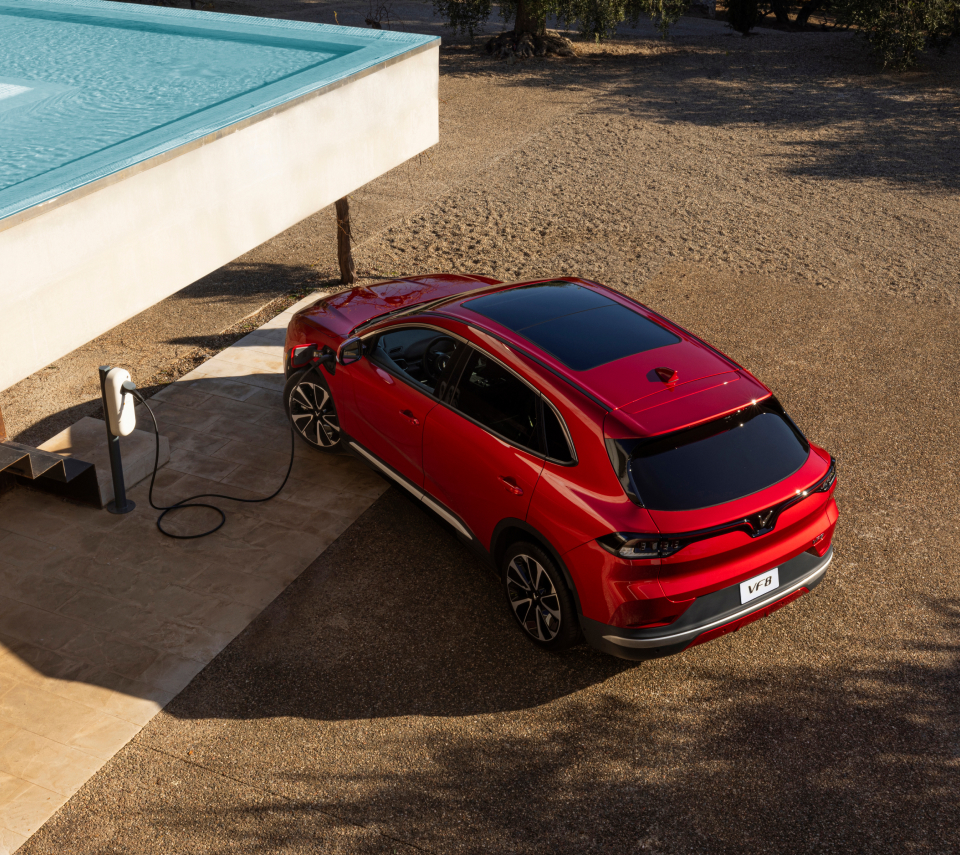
<point x="718" y="462"/>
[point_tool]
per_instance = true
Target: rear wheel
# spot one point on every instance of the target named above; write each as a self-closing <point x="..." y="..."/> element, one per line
<point x="310" y="408"/>
<point x="539" y="597"/>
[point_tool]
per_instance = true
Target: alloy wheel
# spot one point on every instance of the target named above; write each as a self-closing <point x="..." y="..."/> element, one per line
<point x="533" y="597"/>
<point x="314" y="415"/>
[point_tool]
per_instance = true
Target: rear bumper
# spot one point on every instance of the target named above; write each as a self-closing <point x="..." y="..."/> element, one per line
<point x="709" y="616"/>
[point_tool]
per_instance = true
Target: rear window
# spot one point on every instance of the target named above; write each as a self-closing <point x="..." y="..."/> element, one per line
<point x="718" y="462"/>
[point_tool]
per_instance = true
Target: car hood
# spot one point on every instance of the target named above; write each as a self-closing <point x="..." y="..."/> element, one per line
<point x="342" y="312"/>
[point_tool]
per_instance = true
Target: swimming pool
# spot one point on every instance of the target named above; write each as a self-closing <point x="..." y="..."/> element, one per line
<point x="142" y="147"/>
<point x="89" y="88"/>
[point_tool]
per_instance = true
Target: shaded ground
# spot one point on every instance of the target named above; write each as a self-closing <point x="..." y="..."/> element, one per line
<point x="798" y="210"/>
<point x="386" y="703"/>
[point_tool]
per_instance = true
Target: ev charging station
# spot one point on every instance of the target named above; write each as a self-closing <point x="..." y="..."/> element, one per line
<point x="120" y="416"/>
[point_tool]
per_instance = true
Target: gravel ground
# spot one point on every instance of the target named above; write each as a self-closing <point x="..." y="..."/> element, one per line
<point x="801" y="212"/>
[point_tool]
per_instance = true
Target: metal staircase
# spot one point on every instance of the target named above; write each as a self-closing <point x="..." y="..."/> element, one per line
<point x="53" y="473"/>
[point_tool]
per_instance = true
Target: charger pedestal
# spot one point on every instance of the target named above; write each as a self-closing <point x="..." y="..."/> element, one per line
<point x="120" y="504"/>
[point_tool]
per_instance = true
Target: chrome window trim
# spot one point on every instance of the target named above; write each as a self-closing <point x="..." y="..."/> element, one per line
<point x="543" y="398"/>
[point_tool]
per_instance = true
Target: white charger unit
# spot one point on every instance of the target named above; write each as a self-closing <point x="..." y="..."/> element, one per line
<point x="121" y="410"/>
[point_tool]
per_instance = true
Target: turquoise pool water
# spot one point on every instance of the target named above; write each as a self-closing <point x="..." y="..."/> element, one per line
<point x="88" y="88"/>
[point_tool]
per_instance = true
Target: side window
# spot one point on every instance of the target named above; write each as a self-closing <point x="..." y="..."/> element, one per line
<point x="419" y="354"/>
<point x="498" y="400"/>
<point x="557" y="446"/>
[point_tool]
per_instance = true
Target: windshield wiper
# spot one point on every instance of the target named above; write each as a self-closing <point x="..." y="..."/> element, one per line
<point x="394" y="313"/>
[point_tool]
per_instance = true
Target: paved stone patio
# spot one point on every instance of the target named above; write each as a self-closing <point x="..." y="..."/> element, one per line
<point x="103" y="620"/>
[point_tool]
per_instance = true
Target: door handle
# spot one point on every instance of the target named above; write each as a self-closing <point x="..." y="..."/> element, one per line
<point x="410" y="416"/>
<point x="511" y="485"/>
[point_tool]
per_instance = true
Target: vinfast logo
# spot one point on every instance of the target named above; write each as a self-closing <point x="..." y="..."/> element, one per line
<point x="763" y="522"/>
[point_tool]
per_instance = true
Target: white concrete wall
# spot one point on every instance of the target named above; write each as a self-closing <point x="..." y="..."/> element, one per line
<point x="78" y="270"/>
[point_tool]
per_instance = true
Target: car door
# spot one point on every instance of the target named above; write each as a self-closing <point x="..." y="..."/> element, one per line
<point x="393" y="393"/>
<point x="481" y="450"/>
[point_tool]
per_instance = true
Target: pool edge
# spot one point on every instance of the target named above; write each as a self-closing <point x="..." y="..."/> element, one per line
<point x="96" y="184"/>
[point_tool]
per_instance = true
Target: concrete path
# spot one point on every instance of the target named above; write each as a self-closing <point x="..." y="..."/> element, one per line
<point x="103" y="620"/>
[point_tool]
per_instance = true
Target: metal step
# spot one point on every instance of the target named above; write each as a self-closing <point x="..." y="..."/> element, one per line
<point x="52" y="473"/>
<point x="32" y="463"/>
<point x="10" y="456"/>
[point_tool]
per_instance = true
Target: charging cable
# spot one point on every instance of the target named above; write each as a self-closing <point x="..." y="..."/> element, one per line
<point x="190" y="501"/>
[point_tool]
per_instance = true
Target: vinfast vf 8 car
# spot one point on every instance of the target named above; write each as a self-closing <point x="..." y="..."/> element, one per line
<point x="626" y="480"/>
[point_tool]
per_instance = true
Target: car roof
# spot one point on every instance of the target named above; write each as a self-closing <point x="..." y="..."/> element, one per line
<point x="602" y="342"/>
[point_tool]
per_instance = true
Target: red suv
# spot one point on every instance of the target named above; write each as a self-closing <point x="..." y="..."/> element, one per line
<point x="626" y="480"/>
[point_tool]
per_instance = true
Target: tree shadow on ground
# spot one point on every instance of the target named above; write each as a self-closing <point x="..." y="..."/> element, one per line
<point x="787" y="759"/>
<point x="387" y="688"/>
<point x="258" y="279"/>
<point x="840" y="117"/>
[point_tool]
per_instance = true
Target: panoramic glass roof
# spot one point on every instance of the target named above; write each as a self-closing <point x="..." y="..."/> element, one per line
<point x="582" y="328"/>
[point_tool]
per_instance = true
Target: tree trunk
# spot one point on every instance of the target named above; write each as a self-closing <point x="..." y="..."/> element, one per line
<point x="806" y="10"/>
<point x="6" y="480"/>
<point x="779" y="8"/>
<point x="348" y="273"/>
<point x="527" y="21"/>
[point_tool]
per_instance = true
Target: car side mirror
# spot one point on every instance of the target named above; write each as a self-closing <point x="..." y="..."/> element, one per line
<point x="350" y="351"/>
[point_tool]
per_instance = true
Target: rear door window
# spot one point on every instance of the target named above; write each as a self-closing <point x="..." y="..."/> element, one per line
<point x="718" y="462"/>
<point x="498" y="400"/>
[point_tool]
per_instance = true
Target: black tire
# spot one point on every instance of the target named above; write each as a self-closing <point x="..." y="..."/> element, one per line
<point x="311" y="409"/>
<point x="539" y="598"/>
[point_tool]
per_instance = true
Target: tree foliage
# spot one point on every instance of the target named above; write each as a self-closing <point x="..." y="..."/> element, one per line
<point x="897" y="30"/>
<point x="597" y="19"/>
<point x="900" y="30"/>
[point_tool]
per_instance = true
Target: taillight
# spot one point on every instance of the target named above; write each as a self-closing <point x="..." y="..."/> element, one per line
<point x="636" y="546"/>
<point x="828" y="480"/>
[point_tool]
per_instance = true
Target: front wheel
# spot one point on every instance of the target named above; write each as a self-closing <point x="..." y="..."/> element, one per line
<point x="310" y="408"/>
<point x="539" y="597"/>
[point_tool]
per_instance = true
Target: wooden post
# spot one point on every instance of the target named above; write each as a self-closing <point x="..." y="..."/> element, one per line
<point x="6" y="479"/>
<point x="348" y="273"/>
